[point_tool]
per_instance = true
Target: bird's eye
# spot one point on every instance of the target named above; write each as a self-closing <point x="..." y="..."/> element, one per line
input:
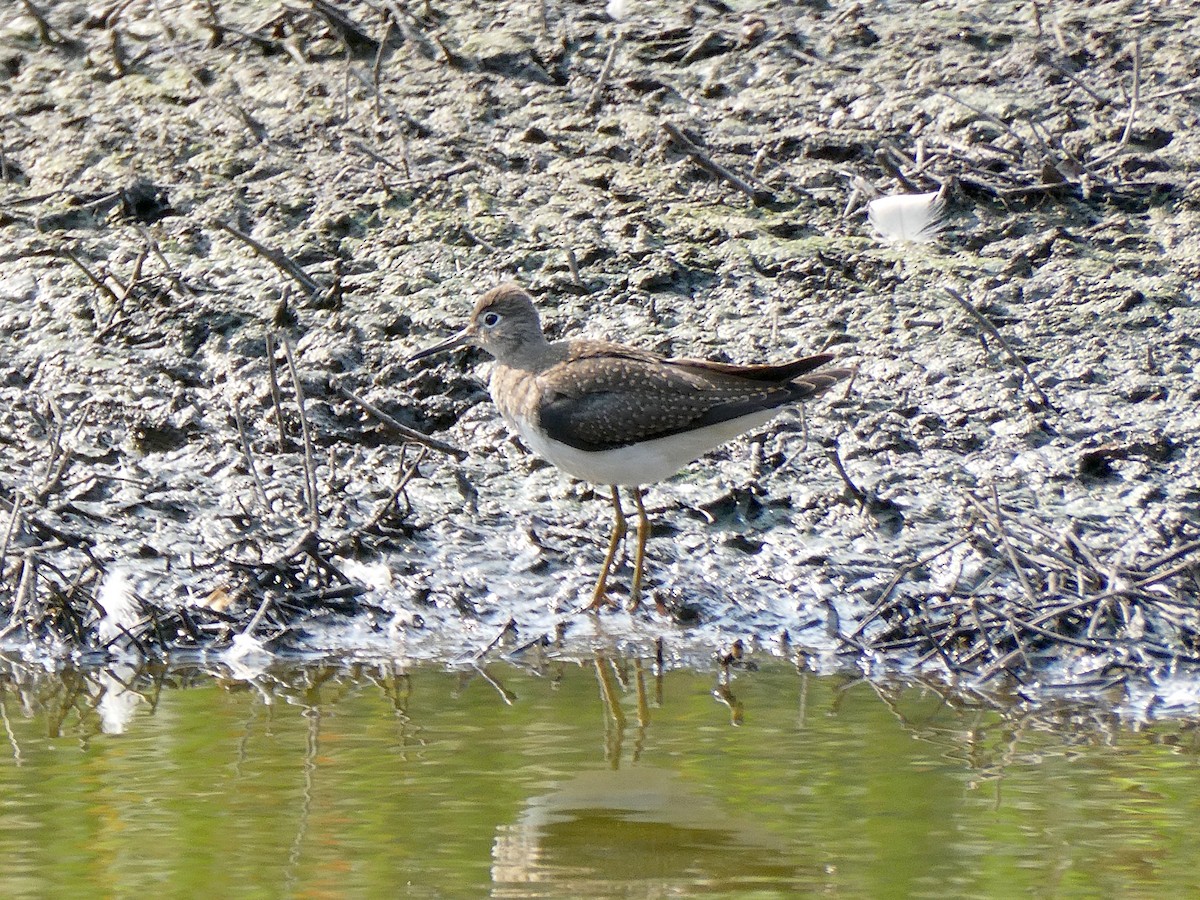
<point x="491" y="320"/>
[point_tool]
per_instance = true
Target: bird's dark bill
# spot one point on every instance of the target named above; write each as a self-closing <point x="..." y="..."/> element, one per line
<point x="462" y="339"/>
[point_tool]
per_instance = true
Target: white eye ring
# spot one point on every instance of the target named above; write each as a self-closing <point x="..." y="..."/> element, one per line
<point x="491" y="320"/>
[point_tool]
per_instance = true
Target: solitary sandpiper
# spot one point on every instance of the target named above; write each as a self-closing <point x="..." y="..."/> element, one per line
<point x="616" y="415"/>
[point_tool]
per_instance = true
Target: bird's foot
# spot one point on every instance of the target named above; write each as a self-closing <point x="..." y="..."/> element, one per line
<point x="635" y="600"/>
<point x="600" y="600"/>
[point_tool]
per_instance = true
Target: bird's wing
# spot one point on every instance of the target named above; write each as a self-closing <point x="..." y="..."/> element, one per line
<point x="775" y="373"/>
<point x="609" y="397"/>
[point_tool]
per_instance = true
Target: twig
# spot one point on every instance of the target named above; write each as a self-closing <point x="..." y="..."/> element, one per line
<point x="506" y="695"/>
<point x="276" y="394"/>
<point x="999" y="665"/>
<point x="378" y="157"/>
<point x="13" y="524"/>
<point x="306" y="544"/>
<point x="377" y="67"/>
<point x="401" y="117"/>
<point x="981" y="628"/>
<point x="310" y="468"/>
<point x="900" y="575"/>
<point x="409" y="433"/>
<point x="573" y="265"/>
<point x="258" y="616"/>
<point x="479" y="241"/>
<point x="937" y="645"/>
<point x="706" y="162"/>
<point x="94" y="279"/>
<point x="1048" y="60"/>
<point x="1012" y="554"/>
<point x="176" y="282"/>
<point x="249" y="455"/>
<point x="26" y="590"/>
<point x="1135" y="96"/>
<point x="135" y="277"/>
<point x="277" y="258"/>
<point x="991" y="329"/>
<point x="406" y="476"/>
<point x="1043" y="632"/>
<point x="598" y="89"/>
<point x="256" y="129"/>
<point x="60" y="458"/>
<point x="1073" y="541"/>
<point x="999" y="123"/>
<point x="509" y="627"/>
<point x="1171" y="556"/>
<point x="353" y="35"/>
<point x="47" y="32"/>
<point x="855" y="491"/>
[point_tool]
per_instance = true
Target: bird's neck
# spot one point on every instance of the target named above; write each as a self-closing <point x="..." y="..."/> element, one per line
<point x="534" y="355"/>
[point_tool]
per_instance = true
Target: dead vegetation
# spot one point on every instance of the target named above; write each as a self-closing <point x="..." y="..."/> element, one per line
<point x="1081" y="619"/>
<point x="224" y="226"/>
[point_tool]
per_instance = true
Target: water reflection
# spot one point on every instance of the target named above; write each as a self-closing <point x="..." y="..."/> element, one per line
<point x="602" y="776"/>
<point x="666" y="835"/>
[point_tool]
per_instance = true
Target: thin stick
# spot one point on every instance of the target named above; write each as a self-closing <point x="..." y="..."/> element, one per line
<point x="1008" y="548"/>
<point x="1048" y="60"/>
<point x="409" y="433"/>
<point x="1171" y="556"/>
<point x="991" y="329"/>
<point x="999" y="123"/>
<point x="937" y="645"/>
<point x="855" y="491"/>
<point x="900" y="575"/>
<point x="258" y="615"/>
<point x="509" y="626"/>
<point x="1133" y="104"/>
<point x="407" y="476"/>
<point x="310" y="468"/>
<point x="1044" y="632"/>
<point x="506" y="695"/>
<point x="13" y="522"/>
<point x="95" y="280"/>
<point x="277" y="258"/>
<point x="375" y="69"/>
<point x="46" y="31"/>
<point x="276" y="394"/>
<point x="573" y="265"/>
<point x="598" y="89"/>
<point x="61" y="457"/>
<point x="705" y="162"/>
<point x="26" y="587"/>
<point x="249" y="455"/>
<point x="1137" y="90"/>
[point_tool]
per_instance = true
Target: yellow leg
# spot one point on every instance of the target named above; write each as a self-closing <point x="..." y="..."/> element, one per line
<point x="639" y="559"/>
<point x="613" y="542"/>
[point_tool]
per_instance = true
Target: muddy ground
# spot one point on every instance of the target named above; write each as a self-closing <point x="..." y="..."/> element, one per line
<point x="206" y="204"/>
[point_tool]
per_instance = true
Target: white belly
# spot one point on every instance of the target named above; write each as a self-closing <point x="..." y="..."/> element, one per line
<point x="644" y="463"/>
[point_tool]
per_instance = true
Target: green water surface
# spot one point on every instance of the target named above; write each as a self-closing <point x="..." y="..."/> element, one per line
<point x="577" y="780"/>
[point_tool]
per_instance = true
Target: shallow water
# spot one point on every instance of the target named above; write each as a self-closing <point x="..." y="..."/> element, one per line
<point x="581" y="779"/>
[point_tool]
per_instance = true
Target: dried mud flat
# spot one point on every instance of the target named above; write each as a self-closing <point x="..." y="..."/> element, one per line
<point x="222" y="222"/>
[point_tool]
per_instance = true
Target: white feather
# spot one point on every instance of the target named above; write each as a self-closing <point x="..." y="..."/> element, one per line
<point x="908" y="218"/>
<point x="117" y="706"/>
<point x="247" y="657"/>
<point x="119" y="603"/>
<point x="617" y="9"/>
